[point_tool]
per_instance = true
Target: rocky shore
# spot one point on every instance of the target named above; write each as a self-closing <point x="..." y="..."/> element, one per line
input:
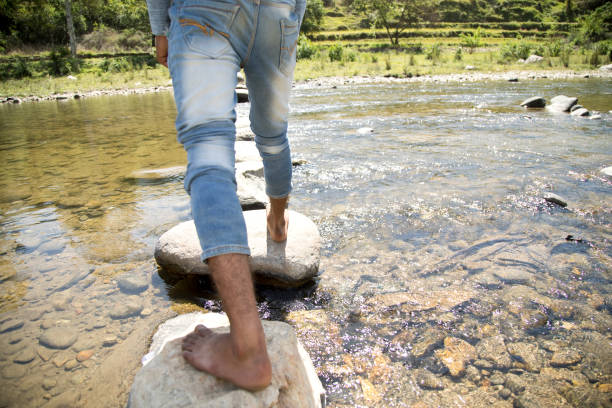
<point x="468" y="76"/>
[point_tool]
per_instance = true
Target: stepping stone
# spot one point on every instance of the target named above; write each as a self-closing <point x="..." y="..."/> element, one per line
<point x="562" y="103"/>
<point x="290" y="263"/>
<point x="535" y="102"/>
<point x="167" y="380"/>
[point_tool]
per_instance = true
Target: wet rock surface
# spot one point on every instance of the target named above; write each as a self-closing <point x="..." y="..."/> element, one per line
<point x="294" y="382"/>
<point x="290" y="262"/>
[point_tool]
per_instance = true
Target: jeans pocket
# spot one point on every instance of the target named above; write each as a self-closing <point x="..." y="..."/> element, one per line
<point x="206" y="26"/>
<point x="290" y="31"/>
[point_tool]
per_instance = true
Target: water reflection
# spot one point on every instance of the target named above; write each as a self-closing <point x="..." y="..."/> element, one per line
<point x="438" y="244"/>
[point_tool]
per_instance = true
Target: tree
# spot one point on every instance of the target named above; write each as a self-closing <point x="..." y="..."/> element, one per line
<point x="70" y="27"/>
<point x="569" y="11"/>
<point x="313" y="17"/>
<point x="395" y="16"/>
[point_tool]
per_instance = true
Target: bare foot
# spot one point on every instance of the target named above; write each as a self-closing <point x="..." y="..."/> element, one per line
<point x="216" y="354"/>
<point x="278" y="226"/>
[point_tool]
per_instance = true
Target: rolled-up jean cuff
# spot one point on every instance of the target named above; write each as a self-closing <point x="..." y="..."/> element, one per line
<point x="224" y="250"/>
<point x="277" y="197"/>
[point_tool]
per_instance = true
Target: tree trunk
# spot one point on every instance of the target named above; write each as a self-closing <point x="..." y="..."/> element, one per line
<point x="70" y="26"/>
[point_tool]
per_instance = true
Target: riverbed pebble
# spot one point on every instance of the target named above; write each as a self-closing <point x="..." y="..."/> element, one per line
<point x="429" y="381"/>
<point x="59" y="337"/>
<point x="127" y="308"/>
<point x="494" y="350"/>
<point x="129" y="283"/>
<point x="564" y="358"/>
<point x="49" y="383"/>
<point x="12" y="324"/>
<point x="513" y="275"/>
<point x="455" y="355"/>
<point x="13" y="371"/>
<point x="527" y="354"/>
<point x="25" y="356"/>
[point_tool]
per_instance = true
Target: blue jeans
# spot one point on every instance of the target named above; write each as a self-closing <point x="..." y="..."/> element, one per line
<point x="209" y="41"/>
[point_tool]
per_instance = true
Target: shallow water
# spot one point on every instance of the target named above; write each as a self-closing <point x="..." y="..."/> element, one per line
<point x="433" y="227"/>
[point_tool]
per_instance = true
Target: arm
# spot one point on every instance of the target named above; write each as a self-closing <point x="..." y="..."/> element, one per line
<point x="160" y="23"/>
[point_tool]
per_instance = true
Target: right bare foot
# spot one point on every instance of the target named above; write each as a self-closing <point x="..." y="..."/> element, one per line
<point x="216" y="354"/>
<point x="278" y="219"/>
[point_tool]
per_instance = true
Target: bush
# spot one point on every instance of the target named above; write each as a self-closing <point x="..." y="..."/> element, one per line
<point x="458" y="55"/>
<point x="335" y="52"/>
<point x="16" y="69"/>
<point x="473" y="40"/>
<point x="596" y="25"/>
<point x="305" y="49"/>
<point x="515" y="50"/>
<point x="433" y="53"/>
<point x="60" y="62"/>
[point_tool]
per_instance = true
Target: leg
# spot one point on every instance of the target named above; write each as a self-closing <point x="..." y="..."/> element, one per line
<point x="269" y="74"/>
<point x="203" y="68"/>
<point x="240" y="356"/>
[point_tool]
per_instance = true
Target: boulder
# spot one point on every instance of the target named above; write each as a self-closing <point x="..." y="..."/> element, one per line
<point x="242" y="95"/>
<point x="533" y="59"/>
<point x="607" y="171"/>
<point x="555" y="199"/>
<point x="291" y="262"/>
<point x="535" y="102"/>
<point x="246" y="152"/>
<point x="606" y="67"/>
<point x="251" y="185"/>
<point x="167" y="380"/>
<point x="580" y="112"/>
<point x="562" y="103"/>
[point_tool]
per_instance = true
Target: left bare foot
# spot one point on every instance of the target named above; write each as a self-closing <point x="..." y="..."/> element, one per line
<point x="217" y="354"/>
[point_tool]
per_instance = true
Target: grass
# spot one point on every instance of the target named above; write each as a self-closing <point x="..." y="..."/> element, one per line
<point x="342" y="48"/>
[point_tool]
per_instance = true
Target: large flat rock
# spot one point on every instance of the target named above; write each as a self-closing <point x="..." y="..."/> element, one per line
<point x="167" y="381"/>
<point x="291" y="262"/>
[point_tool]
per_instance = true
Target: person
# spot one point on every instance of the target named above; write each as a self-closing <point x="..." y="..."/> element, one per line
<point x="204" y="43"/>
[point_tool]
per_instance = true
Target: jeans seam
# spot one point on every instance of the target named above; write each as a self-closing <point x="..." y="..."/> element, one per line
<point x="225" y="249"/>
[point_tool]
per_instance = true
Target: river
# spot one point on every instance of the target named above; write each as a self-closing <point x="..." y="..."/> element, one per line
<point x="446" y="278"/>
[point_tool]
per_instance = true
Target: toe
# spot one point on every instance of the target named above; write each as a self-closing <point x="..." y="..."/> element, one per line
<point x="202" y="331"/>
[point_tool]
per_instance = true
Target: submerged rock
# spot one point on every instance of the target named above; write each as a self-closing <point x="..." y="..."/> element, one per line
<point x="534" y="102"/>
<point x="527" y="354"/>
<point x="455" y="355"/>
<point x="444" y="299"/>
<point x="555" y="199"/>
<point x="565" y="358"/>
<point x="580" y="112"/>
<point x="167" y="380"/>
<point x="291" y="262"/>
<point x="494" y="350"/>
<point x="133" y="284"/>
<point x="59" y="337"/>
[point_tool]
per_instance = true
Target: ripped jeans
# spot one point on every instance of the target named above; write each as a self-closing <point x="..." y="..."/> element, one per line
<point x="209" y="41"/>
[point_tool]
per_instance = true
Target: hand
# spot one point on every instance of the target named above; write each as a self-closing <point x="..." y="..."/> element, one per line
<point x="161" y="49"/>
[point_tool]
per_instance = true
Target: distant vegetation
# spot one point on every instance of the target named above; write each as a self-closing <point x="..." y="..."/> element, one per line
<point x="349" y="37"/>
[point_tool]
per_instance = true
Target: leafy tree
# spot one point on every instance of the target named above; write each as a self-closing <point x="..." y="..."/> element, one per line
<point x="569" y="11"/>
<point x="395" y="16"/>
<point x="596" y="25"/>
<point x="313" y="18"/>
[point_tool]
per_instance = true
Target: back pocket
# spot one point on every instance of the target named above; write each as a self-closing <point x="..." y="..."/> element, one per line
<point x="206" y="26"/>
<point x="289" y="38"/>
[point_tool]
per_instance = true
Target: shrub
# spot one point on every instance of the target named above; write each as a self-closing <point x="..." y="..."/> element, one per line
<point x="458" y="54"/>
<point x="473" y="40"/>
<point x="388" y="63"/>
<point x="305" y="49"/>
<point x="433" y="53"/>
<point x="595" y="26"/>
<point x="60" y="62"/>
<point x="335" y="52"/>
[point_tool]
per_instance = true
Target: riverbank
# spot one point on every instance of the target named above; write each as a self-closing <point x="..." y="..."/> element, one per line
<point x="330" y="81"/>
